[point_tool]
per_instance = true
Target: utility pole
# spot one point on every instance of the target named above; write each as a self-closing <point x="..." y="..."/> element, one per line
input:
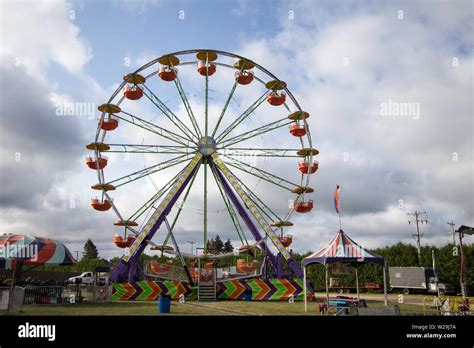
<point x="417" y="220"/>
<point x="77" y="254"/>
<point x="453" y="232"/>
<point x="463" y="274"/>
<point x="192" y="244"/>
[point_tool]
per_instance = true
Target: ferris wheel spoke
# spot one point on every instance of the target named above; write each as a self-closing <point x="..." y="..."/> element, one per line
<point x="151" y="202"/>
<point x="187" y="106"/>
<point x="260" y="173"/>
<point x="243" y="116"/>
<point x="168" y="113"/>
<point x="153" y="128"/>
<point x="260" y="204"/>
<point x="226" y="105"/>
<point x="156" y="149"/>
<point x="149" y="170"/>
<point x="256" y="132"/>
<point x="255" y="152"/>
<point x="180" y="207"/>
<point x="230" y="208"/>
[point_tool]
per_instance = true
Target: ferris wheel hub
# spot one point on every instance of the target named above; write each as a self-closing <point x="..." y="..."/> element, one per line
<point x="207" y="145"/>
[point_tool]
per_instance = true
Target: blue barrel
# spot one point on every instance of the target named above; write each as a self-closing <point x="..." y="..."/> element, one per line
<point x="164" y="304"/>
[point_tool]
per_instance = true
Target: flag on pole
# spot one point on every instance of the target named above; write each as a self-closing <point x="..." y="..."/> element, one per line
<point x="337" y="205"/>
<point x="435" y="269"/>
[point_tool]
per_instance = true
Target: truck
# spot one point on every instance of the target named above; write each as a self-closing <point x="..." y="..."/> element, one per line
<point x="87" y="278"/>
<point x="417" y="279"/>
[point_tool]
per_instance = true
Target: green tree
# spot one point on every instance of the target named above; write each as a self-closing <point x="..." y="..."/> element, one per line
<point x="228" y="247"/>
<point x="90" y="250"/>
<point x="215" y="245"/>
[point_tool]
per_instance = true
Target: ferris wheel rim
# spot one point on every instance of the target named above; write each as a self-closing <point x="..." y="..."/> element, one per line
<point x="228" y="54"/>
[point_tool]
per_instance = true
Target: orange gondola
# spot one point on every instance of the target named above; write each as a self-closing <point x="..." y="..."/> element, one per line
<point x="303" y="207"/>
<point x="118" y="240"/>
<point x="132" y="92"/>
<point x="109" y="123"/>
<point x="286" y="241"/>
<point x="101" y="205"/>
<point x="246" y="266"/>
<point x="276" y="99"/>
<point x="123" y="243"/>
<point x="99" y="163"/>
<point x="168" y="73"/>
<point x="306" y="169"/>
<point x="244" y="77"/>
<point x="160" y="268"/>
<point x="206" y="69"/>
<point x="297" y="130"/>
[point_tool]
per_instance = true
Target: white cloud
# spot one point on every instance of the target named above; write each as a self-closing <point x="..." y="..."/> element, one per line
<point x="37" y="33"/>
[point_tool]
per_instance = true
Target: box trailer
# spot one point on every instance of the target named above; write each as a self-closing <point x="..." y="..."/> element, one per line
<point x="416" y="279"/>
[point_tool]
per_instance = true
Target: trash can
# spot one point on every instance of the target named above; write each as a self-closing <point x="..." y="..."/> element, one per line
<point x="164" y="304"/>
<point x="248" y="295"/>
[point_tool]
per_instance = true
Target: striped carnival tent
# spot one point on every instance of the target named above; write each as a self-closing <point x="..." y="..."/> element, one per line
<point x="18" y="249"/>
<point x="344" y="250"/>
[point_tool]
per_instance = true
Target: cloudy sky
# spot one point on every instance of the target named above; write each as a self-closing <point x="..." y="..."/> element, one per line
<point x="354" y="66"/>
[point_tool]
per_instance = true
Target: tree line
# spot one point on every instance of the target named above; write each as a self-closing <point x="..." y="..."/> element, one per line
<point x="397" y="255"/>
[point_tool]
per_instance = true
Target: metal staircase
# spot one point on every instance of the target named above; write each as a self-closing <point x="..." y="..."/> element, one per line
<point x="207" y="293"/>
<point x="207" y="285"/>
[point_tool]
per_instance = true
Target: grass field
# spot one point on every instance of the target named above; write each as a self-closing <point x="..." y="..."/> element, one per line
<point x="189" y="308"/>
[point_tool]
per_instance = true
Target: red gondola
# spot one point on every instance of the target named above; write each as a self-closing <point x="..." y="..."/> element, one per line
<point x="109" y="123"/>
<point x="123" y="243"/>
<point x="276" y="99"/>
<point x="303" y="207"/>
<point x="133" y="92"/>
<point x="206" y="69"/>
<point x="246" y="266"/>
<point x="244" y="77"/>
<point x="168" y="73"/>
<point x="286" y="241"/>
<point x="99" y="163"/>
<point x="306" y="169"/>
<point x="101" y="205"/>
<point x="160" y="268"/>
<point x="297" y="130"/>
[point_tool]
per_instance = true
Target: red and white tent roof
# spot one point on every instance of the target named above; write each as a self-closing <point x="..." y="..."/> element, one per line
<point x="343" y="249"/>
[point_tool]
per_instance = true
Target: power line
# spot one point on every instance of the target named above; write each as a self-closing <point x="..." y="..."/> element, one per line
<point x="418" y="235"/>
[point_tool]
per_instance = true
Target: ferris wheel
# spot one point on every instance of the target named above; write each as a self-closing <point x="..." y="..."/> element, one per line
<point x="218" y="143"/>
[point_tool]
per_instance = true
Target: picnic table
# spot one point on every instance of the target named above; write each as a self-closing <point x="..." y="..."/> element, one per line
<point x="341" y="302"/>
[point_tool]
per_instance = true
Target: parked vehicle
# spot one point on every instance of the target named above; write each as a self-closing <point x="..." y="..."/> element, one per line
<point x="84" y="278"/>
<point x="417" y="279"/>
<point x="87" y="278"/>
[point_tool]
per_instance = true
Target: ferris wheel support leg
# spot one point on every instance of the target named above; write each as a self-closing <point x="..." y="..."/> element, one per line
<point x="279" y="269"/>
<point x="243" y="213"/>
<point x="225" y="172"/>
<point x="126" y="267"/>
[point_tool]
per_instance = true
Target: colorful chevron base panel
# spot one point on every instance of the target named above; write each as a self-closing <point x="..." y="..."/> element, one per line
<point x="149" y="291"/>
<point x="274" y="289"/>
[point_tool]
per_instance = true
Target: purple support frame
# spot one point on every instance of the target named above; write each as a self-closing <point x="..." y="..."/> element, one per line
<point x="128" y="270"/>
<point x="243" y="213"/>
<point x="291" y="263"/>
